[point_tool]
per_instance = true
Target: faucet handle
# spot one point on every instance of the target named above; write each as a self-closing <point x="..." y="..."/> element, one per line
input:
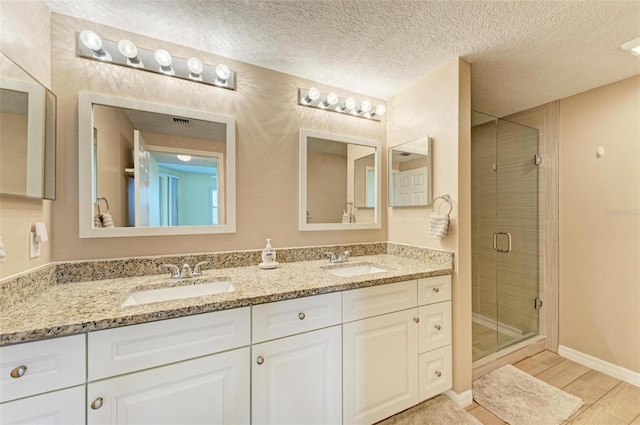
<point x="345" y="255"/>
<point x="174" y="269"/>
<point x="196" y="269"/>
<point x="332" y="256"/>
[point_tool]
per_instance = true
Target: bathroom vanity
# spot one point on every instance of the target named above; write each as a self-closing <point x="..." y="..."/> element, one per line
<point x="291" y="345"/>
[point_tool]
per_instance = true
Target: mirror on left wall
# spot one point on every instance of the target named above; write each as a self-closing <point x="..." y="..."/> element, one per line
<point x="27" y="134"/>
<point x="149" y="169"/>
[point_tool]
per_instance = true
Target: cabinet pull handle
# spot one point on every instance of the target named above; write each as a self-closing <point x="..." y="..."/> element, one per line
<point x="19" y="371"/>
<point x="438" y="373"/>
<point x="438" y="327"/>
<point x="301" y="316"/>
<point x="97" y="403"/>
<point x="436" y="290"/>
<point x="416" y="319"/>
<point x="260" y="360"/>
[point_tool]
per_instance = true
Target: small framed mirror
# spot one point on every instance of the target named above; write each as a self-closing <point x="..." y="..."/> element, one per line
<point x="339" y="182"/>
<point x="27" y="134"/>
<point x="148" y="169"/>
<point x="410" y="173"/>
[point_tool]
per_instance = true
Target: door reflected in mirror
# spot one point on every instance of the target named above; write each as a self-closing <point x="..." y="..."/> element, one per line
<point x="160" y="170"/>
<point x="339" y="182"/>
<point x="410" y="173"/>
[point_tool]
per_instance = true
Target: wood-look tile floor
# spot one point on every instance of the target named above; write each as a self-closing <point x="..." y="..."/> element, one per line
<point x="607" y="400"/>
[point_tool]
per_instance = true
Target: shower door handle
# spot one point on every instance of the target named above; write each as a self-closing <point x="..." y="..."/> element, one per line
<point x="495" y="242"/>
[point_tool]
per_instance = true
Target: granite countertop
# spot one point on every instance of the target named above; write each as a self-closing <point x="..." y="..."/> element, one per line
<point x="72" y="308"/>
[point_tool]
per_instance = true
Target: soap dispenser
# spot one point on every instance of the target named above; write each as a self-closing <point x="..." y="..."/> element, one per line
<point x="268" y="256"/>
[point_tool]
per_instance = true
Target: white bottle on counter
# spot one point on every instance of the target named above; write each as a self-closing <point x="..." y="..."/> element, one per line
<point x="268" y="255"/>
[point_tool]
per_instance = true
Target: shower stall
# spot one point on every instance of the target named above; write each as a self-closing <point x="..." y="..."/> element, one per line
<point x="505" y="266"/>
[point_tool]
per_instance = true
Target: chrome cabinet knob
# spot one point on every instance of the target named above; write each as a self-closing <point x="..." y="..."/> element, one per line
<point x="436" y="290"/>
<point x="97" y="403"/>
<point x="438" y="327"/>
<point x="438" y="373"/>
<point x="301" y="316"/>
<point x="19" y="371"/>
<point x="260" y="360"/>
<point x="416" y="319"/>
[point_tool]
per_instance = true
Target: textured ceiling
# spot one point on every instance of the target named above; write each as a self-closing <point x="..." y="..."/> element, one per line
<point x="523" y="53"/>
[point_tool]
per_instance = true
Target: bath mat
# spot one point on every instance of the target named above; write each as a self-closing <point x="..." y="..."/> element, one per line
<point x="520" y="399"/>
<point x="440" y="410"/>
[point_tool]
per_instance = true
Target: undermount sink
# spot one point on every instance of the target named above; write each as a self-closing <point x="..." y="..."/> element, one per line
<point x="178" y="292"/>
<point x="355" y="270"/>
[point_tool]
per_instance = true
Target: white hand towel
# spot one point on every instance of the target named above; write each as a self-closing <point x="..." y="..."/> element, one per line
<point x="97" y="221"/>
<point x="438" y="225"/>
<point x="107" y="220"/>
<point x="346" y="217"/>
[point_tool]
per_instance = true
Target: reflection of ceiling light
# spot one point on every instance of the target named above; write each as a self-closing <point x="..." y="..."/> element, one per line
<point x="184" y="158"/>
<point x="92" y="41"/>
<point x="632" y="46"/>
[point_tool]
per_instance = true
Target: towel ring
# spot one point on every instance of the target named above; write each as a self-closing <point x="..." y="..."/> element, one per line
<point x="446" y="199"/>
<point x="102" y="198"/>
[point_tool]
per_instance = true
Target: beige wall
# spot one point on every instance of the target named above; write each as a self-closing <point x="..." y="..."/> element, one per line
<point x="600" y="223"/>
<point x="268" y="121"/>
<point x="440" y="105"/>
<point x="32" y="53"/>
<point x="13" y="153"/>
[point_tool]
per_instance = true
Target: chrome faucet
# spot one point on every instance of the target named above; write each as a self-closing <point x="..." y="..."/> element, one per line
<point x="186" y="272"/>
<point x="342" y="258"/>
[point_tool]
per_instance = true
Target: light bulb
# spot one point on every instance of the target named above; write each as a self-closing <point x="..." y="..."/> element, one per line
<point x="222" y="73"/>
<point x="164" y="59"/>
<point x="381" y="110"/>
<point x="365" y="106"/>
<point x="331" y="99"/>
<point x="349" y="104"/>
<point x="184" y="158"/>
<point x="312" y="94"/>
<point x="91" y="40"/>
<point x="130" y="51"/>
<point x="195" y="66"/>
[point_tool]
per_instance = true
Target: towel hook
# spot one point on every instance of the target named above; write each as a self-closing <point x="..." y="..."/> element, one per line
<point x="102" y="198"/>
<point x="445" y="198"/>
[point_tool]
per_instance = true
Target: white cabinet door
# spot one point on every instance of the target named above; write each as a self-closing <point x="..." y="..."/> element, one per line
<point x="64" y="407"/>
<point x="207" y="390"/>
<point x="297" y="380"/>
<point x="380" y="366"/>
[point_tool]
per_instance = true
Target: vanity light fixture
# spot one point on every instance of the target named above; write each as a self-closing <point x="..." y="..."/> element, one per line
<point x="334" y="103"/>
<point x="93" y="42"/>
<point x="126" y="53"/>
<point x="130" y="51"/>
<point x="632" y="46"/>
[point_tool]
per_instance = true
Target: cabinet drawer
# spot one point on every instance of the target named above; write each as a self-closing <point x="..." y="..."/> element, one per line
<point x="58" y="407"/>
<point x="48" y="365"/>
<point x="283" y="318"/>
<point x="434" y="372"/>
<point x="375" y="300"/>
<point x="435" y="326"/>
<point x="121" y="350"/>
<point x="434" y="289"/>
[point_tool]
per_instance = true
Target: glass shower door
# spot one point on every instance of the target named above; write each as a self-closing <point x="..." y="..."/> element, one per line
<point x="505" y="234"/>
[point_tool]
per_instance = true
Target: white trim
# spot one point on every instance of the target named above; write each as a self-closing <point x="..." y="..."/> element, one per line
<point x="610" y="369"/>
<point x="463" y="399"/>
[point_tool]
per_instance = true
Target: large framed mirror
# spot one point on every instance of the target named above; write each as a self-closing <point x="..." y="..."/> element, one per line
<point x="410" y="173"/>
<point x="27" y="134"/>
<point x="149" y="169"/>
<point x="339" y="182"/>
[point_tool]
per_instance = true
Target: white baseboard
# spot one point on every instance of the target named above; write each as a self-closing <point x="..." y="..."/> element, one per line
<point x="463" y="400"/>
<point x="610" y="369"/>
